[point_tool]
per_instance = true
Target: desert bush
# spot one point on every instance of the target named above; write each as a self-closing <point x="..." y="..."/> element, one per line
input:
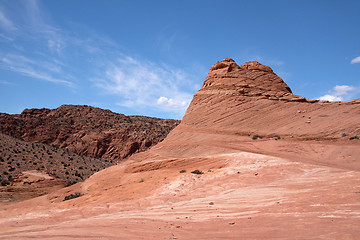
<point x="183" y="171"/>
<point x="256" y="136"/>
<point x="353" y="138"/>
<point x="197" y="171"/>
<point x="4" y="183"/>
<point x="72" y="196"/>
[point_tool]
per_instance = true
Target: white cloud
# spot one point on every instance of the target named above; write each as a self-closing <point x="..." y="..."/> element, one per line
<point x="355" y="60"/>
<point x="169" y="102"/>
<point x="144" y="84"/>
<point x="329" y="97"/>
<point x="33" y="68"/>
<point x="42" y="50"/>
<point x="339" y="93"/>
<point x="341" y="90"/>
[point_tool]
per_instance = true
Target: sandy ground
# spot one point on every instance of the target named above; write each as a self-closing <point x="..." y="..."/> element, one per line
<point x="241" y="195"/>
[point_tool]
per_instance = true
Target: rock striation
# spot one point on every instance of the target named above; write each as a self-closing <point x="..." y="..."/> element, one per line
<point x="249" y="79"/>
<point x="252" y="99"/>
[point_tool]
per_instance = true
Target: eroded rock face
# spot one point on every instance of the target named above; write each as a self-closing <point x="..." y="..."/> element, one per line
<point x="252" y="99"/>
<point x="249" y="79"/>
<point x="87" y="130"/>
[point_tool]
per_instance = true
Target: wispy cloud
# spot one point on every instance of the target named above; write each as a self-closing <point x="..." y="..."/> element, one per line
<point x="32" y="68"/>
<point x="2" y="82"/>
<point x="146" y="84"/>
<point x="355" y="60"/>
<point x="5" y="23"/>
<point x="339" y="93"/>
<point x="23" y="51"/>
<point x="42" y="50"/>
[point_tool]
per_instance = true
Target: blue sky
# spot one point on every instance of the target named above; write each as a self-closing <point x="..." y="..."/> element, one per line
<point x="150" y="57"/>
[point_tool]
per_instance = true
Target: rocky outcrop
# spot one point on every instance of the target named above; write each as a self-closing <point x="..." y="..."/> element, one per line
<point x="87" y="130"/>
<point x="251" y="79"/>
<point x="251" y="99"/>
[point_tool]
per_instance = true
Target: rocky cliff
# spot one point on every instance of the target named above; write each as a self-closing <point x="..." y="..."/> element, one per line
<point x="87" y="130"/>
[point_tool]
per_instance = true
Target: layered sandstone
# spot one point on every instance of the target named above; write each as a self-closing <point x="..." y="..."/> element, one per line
<point x="252" y="99"/>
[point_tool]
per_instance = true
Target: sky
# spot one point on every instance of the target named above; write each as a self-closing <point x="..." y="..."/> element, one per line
<point x="149" y="57"/>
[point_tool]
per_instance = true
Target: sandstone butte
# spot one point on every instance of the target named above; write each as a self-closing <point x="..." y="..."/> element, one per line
<point x="275" y="166"/>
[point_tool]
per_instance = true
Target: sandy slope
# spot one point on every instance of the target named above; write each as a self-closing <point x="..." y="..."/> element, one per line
<point x="245" y="196"/>
<point x="304" y="186"/>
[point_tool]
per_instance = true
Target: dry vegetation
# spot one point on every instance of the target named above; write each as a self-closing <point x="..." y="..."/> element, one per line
<point x="17" y="156"/>
<point x="87" y="130"/>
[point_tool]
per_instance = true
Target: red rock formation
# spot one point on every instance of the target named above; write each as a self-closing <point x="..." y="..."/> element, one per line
<point x="87" y="130"/>
<point x="252" y="99"/>
<point x="300" y="180"/>
<point x="250" y="79"/>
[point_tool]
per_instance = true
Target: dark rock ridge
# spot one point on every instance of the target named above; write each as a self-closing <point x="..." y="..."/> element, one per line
<point x="87" y="130"/>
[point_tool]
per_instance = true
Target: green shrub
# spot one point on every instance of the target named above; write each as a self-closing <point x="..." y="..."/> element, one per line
<point x="72" y="196"/>
<point x="197" y="171"/>
<point x="183" y="171"/>
<point x="4" y="183"/>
